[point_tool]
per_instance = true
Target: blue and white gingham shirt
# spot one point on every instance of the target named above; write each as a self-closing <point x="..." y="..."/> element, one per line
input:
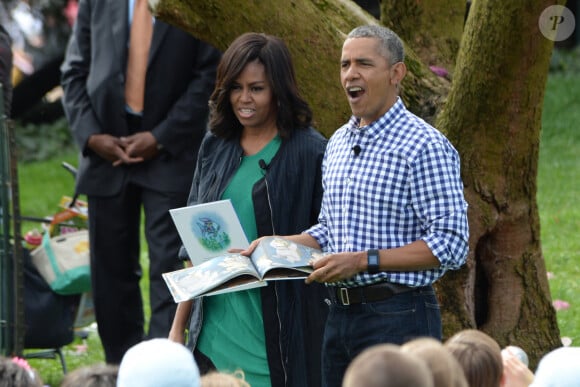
<point x="403" y="186"/>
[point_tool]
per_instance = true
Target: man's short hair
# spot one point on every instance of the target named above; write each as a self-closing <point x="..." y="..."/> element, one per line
<point x="391" y="44"/>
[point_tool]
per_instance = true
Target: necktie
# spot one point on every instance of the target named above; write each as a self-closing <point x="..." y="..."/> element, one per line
<point x="139" y="44"/>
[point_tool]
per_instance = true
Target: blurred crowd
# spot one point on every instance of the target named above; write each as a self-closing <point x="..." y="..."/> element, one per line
<point x="39" y="30"/>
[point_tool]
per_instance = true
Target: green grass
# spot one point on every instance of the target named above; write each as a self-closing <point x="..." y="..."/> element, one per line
<point x="558" y="182"/>
<point x="43" y="183"/>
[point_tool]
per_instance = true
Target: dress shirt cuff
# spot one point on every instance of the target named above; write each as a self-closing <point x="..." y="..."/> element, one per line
<point x="318" y="232"/>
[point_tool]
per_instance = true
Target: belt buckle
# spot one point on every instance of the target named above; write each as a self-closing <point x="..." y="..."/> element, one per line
<point x="344" y="296"/>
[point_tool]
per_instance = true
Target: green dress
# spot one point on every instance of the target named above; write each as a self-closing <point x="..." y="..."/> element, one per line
<point x="232" y="335"/>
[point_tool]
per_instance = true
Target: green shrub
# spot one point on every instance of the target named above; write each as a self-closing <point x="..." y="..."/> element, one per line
<point x="37" y="142"/>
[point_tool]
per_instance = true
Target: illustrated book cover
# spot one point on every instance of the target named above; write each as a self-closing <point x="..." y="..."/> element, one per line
<point x="274" y="258"/>
<point x="208" y="230"/>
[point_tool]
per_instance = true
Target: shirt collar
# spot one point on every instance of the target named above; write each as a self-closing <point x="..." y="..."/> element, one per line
<point x="375" y="127"/>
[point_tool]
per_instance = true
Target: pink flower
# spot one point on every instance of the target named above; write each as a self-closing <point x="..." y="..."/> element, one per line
<point x="71" y="10"/>
<point x="439" y="71"/>
<point x="560" y="304"/>
<point x="550" y="275"/>
<point x="22" y="363"/>
<point x="81" y="349"/>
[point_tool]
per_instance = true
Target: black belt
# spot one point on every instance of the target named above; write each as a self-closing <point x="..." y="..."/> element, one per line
<point x="370" y="293"/>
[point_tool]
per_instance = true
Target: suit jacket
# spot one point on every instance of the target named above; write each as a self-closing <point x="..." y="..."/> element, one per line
<point x="180" y="79"/>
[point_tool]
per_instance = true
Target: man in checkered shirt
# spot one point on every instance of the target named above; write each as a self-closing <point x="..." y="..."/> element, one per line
<point x="393" y="213"/>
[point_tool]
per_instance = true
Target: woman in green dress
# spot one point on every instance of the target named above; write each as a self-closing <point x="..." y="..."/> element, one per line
<point x="261" y="153"/>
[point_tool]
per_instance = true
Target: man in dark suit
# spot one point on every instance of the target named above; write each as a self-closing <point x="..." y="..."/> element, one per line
<point x="135" y="156"/>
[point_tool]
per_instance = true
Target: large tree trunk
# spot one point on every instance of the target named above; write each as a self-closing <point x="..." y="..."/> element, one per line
<point x="432" y="28"/>
<point x="314" y="31"/>
<point x="493" y="116"/>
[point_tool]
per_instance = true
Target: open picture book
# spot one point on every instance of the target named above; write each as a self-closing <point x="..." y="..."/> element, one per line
<point x="275" y="258"/>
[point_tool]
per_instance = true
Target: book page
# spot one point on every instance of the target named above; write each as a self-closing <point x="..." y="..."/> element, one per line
<point x="209" y="229"/>
<point x="212" y="275"/>
<point x="275" y="253"/>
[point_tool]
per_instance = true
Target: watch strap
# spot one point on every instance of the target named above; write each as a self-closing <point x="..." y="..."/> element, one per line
<point x="373" y="261"/>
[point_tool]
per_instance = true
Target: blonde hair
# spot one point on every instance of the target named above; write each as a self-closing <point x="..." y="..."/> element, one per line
<point x="94" y="375"/>
<point x="385" y="365"/>
<point x="223" y="379"/>
<point x="446" y="370"/>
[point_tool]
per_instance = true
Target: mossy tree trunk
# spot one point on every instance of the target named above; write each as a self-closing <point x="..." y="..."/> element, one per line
<point x="432" y="28"/>
<point x="492" y="115"/>
<point x="314" y="31"/>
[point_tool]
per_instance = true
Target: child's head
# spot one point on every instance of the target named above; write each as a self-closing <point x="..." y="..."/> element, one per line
<point x="479" y="355"/>
<point x="158" y="362"/>
<point x="17" y="372"/>
<point x="446" y="370"/>
<point x="96" y="375"/>
<point x="560" y="367"/>
<point x="385" y="365"/>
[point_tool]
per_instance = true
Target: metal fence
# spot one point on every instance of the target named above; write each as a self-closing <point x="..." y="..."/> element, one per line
<point x="11" y="277"/>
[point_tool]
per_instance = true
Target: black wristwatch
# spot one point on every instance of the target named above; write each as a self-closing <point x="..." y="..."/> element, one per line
<point x="373" y="261"/>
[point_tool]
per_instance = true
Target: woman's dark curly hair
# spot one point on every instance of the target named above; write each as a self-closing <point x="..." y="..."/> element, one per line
<point x="293" y="111"/>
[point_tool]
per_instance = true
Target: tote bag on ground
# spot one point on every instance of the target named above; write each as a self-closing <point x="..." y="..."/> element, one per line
<point x="63" y="261"/>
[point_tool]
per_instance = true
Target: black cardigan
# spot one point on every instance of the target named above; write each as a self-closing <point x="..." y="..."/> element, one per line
<point x="294" y="313"/>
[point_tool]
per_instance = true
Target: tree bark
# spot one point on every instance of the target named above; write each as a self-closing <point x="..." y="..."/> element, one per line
<point x="432" y="28"/>
<point x="493" y="116"/>
<point x="314" y="31"/>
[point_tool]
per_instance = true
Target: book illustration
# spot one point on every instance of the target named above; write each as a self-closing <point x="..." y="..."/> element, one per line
<point x="274" y="258"/>
<point x="209" y="274"/>
<point x="275" y="252"/>
<point x="209" y="229"/>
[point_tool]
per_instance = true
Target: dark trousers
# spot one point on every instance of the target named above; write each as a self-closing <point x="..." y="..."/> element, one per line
<point x="114" y="228"/>
<point x="351" y="329"/>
